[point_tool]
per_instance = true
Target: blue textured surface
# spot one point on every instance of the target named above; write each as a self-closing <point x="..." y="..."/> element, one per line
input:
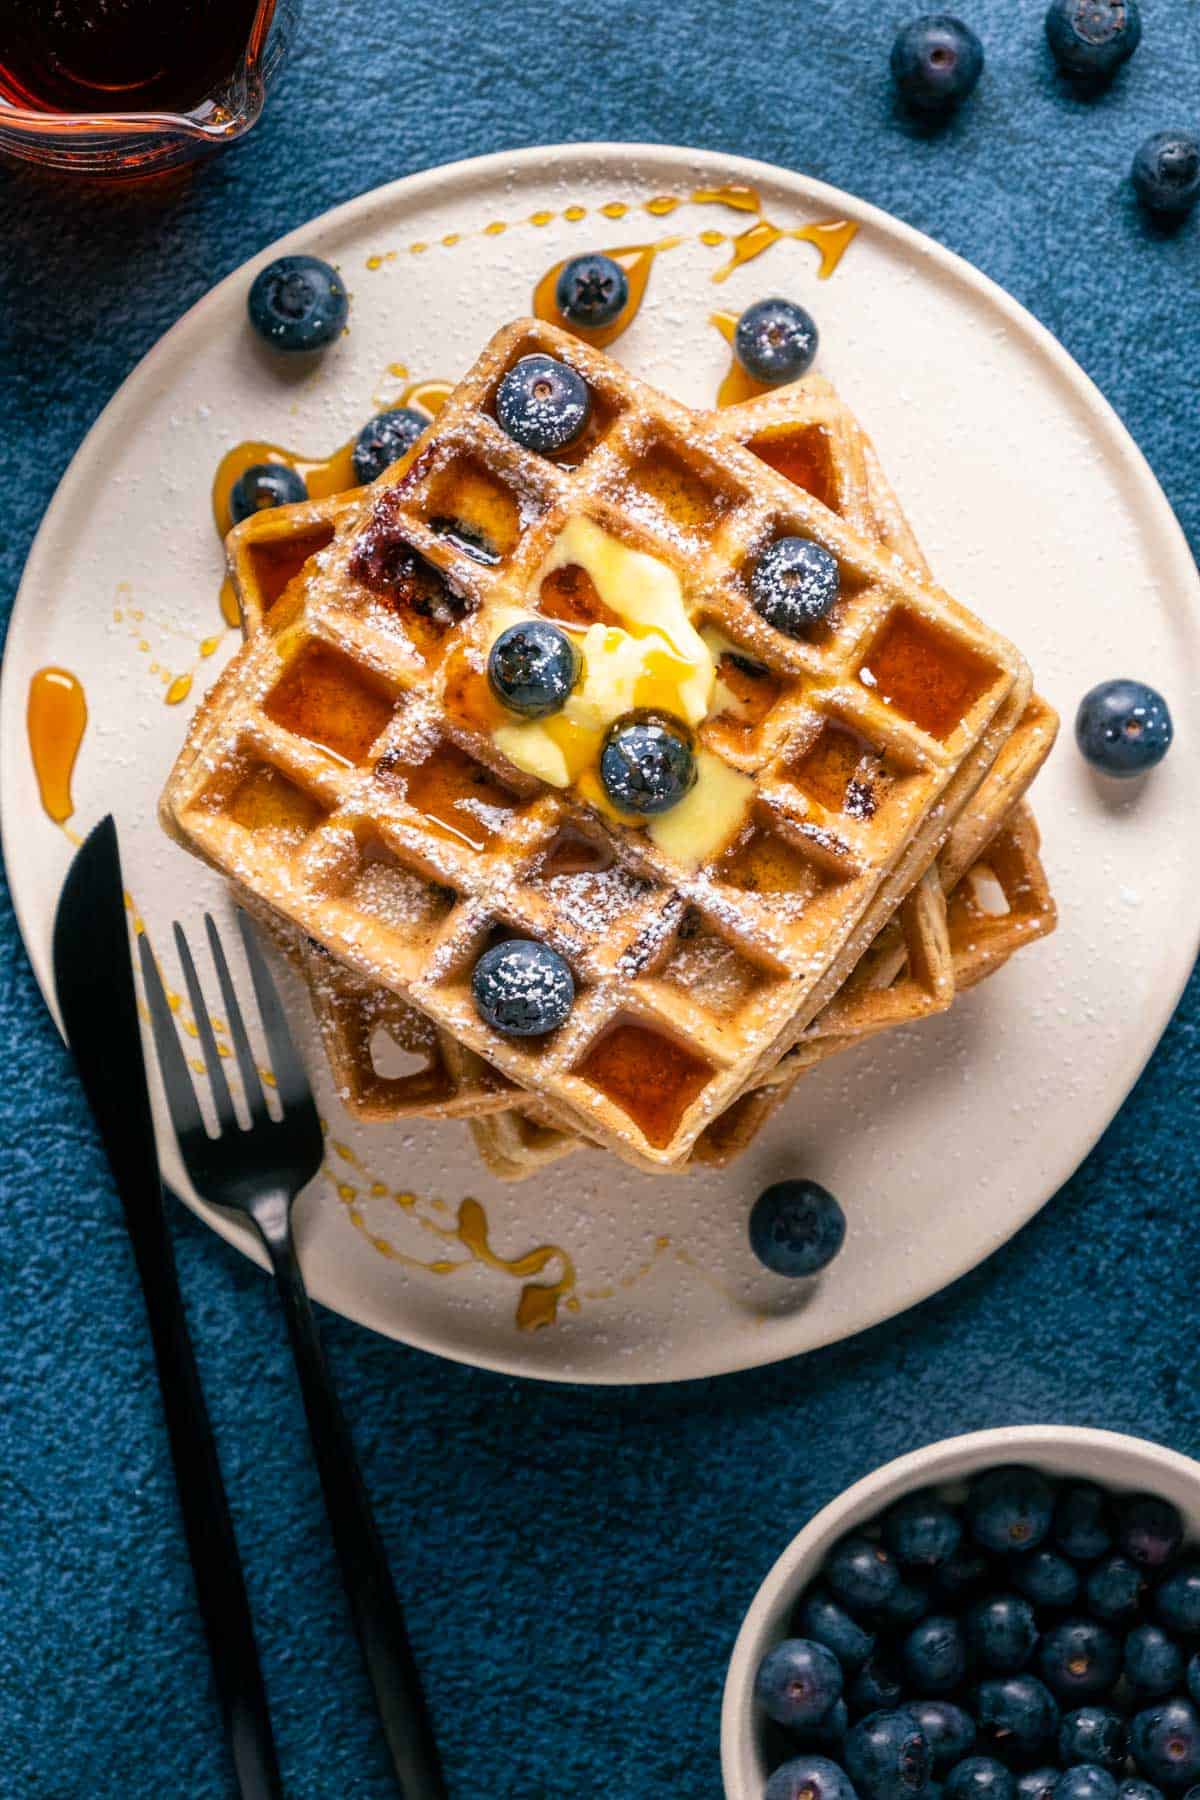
<point x="575" y="1563"/>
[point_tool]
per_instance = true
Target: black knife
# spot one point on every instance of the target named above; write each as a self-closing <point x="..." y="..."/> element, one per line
<point x="93" y="975"/>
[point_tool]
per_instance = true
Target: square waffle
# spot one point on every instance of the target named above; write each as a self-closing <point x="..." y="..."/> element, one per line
<point x="811" y="437"/>
<point x="327" y="770"/>
<point x="988" y="895"/>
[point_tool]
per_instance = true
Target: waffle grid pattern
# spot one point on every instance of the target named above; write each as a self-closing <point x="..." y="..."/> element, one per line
<point x="356" y="863"/>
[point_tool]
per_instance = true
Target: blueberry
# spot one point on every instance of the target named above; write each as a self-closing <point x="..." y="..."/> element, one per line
<point x="1166" y="173"/>
<point x="1002" y="1632"/>
<point x="543" y="404"/>
<point x="775" y="341"/>
<point x="878" y="1686"/>
<point x="949" y="1731"/>
<point x="1133" y="1789"/>
<point x="1165" y="1741"/>
<point x="921" y="1531"/>
<point x="980" y="1778"/>
<point x="1010" y="1508"/>
<point x="796" y="1227"/>
<point x="862" y="1574"/>
<point x="887" y="1757"/>
<point x="647" y="765"/>
<point x="794" y="583"/>
<point x="1016" y="1714"/>
<point x="298" y="303"/>
<point x="1115" y="1590"/>
<point x="1177" y="1602"/>
<point x="1093" y="1734"/>
<point x="1149" y="1530"/>
<point x="1046" y="1578"/>
<point x="828" y="1732"/>
<point x="1083" y="1521"/>
<point x="1079" y="1659"/>
<point x="522" y="988"/>
<point x="1123" y="727"/>
<point x="532" y="667"/>
<point x="1153" y="1662"/>
<point x="1090" y="39"/>
<point x="1086" y="1781"/>
<point x="798" y="1682"/>
<point x="821" y="1617"/>
<point x="1037" y="1784"/>
<point x="963" y="1573"/>
<point x="809" y="1778"/>
<point x="936" y="62"/>
<point x="935" y="1654"/>
<point x="909" y="1603"/>
<point x="384" y="439"/>
<point x="1193" y="1676"/>
<point x="591" y="290"/>
<point x="262" y="486"/>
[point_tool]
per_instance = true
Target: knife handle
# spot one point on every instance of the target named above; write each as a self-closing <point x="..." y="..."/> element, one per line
<point x="212" y="1547"/>
<point x="366" y="1577"/>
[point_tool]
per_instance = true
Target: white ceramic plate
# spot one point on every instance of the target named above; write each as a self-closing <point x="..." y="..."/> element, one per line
<point x="1034" y="506"/>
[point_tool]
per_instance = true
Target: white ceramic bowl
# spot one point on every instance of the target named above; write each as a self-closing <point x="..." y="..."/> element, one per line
<point x="1124" y="1464"/>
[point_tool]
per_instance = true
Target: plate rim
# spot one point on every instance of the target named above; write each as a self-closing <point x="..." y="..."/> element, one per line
<point x="1153" y="509"/>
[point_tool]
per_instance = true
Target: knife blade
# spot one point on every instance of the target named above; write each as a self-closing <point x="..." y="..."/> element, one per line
<point x="93" y="975"/>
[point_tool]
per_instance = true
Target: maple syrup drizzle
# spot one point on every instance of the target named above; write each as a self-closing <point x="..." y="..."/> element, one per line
<point x="801" y="455"/>
<point x="737" y="385"/>
<point x="924" y="674"/>
<point x="539" y="1301"/>
<point x="322" y="698"/>
<point x="56" y="717"/>
<point x="842" y="772"/>
<point x="461" y="799"/>
<point x="831" y="237"/>
<point x="637" y="260"/>
<point x="177" y="684"/>
<point x="323" y="476"/>
<point x="651" y="1077"/>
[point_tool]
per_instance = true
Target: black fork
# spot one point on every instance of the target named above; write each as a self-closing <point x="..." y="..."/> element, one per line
<point x="259" y="1171"/>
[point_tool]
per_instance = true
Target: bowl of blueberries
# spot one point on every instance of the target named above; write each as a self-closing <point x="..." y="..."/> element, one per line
<point x="1012" y="1615"/>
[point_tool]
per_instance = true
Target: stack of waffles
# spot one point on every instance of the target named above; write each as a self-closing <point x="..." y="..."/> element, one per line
<point x="857" y="851"/>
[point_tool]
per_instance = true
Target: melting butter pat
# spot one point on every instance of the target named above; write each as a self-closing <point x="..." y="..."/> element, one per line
<point x="645" y="594"/>
<point x="656" y="661"/>
<point x="620" y="674"/>
<point x="708" y="817"/>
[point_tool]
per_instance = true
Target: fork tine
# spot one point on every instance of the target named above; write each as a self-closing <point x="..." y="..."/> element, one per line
<point x="226" y="1117"/>
<point x="290" y="1076"/>
<point x="251" y="1084"/>
<point x="177" y="1077"/>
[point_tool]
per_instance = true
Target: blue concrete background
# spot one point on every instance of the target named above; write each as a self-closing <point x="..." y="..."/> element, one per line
<point x="575" y="1563"/>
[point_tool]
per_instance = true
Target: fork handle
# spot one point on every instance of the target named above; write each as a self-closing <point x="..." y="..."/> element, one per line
<point x="366" y="1577"/>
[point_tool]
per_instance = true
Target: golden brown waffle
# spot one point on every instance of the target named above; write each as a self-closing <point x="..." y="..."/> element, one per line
<point x="931" y="949"/>
<point x="308" y="777"/>
<point x="1003" y="903"/>
<point x="815" y="440"/>
<point x="820" y="445"/>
